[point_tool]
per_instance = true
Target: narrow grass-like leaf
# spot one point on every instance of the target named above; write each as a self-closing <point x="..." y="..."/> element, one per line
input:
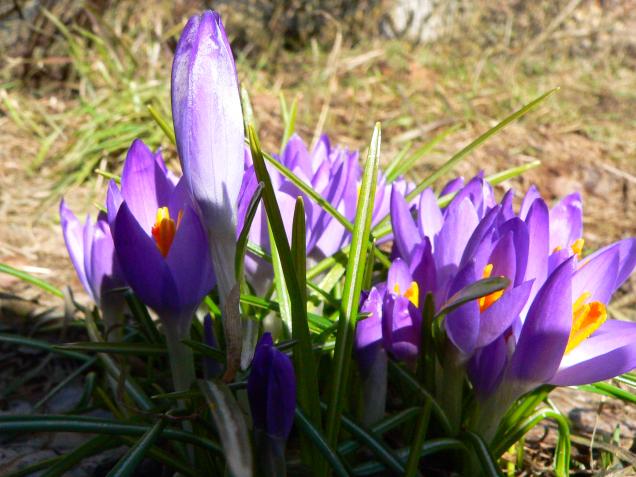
<point x="93" y="425"/>
<point x="43" y="345"/>
<point x="413" y="461"/>
<point x="141" y="315"/>
<point x="488" y="464"/>
<point x="389" y="172"/>
<point x="248" y="111"/>
<point x="89" y="448"/>
<point x="380" y="428"/>
<point x="241" y="243"/>
<point x="298" y="245"/>
<point x="108" y="175"/>
<point x="304" y="363"/>
<point x="290" y="123"/>
<point x="27" y="277"/>
<point x="562" y="456"/>
<point x="610" y="390"/>
<point x="430" y="447"/>
<point x="59" y="386"/>
<point x="354" y="276"/>
<point x="476" y="290"/>
<point x="309" y="430"/>
<point x="128" y="464"/>
<point x="162" y="123"/>
<point x="407" y="163"/>
<point x="230" y="424"/>
<point x="383" y="227"/>
<point x="142" y="349"/>
<point x="410" y="382"/>
<point x="206" y="350"/>
<point x="280" y="284"/>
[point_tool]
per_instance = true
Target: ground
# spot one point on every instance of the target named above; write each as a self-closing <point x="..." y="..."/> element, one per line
<point x="495" y="60"/>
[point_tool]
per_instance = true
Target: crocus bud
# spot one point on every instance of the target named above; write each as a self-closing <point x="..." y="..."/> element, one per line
<point x="271" y="389"/>
<point x="208" y="123"/>
<point x="92" y="252"/>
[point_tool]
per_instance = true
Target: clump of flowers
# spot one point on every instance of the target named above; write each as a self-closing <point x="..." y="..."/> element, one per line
<point x="445" y="318"/>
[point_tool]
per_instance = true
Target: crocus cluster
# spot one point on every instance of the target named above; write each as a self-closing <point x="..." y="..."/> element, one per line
<point x="548" y="326"/>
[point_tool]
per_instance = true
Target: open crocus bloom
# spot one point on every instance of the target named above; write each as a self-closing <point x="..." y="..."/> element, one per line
<point x="159" y="239"/>
<point x="92" y="252"/>
<point x="394" y="321"/>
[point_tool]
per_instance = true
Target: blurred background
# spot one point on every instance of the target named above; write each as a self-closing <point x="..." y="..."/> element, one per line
<point x="76" y="78"/>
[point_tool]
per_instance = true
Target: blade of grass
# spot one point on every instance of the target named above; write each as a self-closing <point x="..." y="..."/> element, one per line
<point x="304" y="363"/>
<point x="354" y="276"/>
<point x="27" y="277"/>
<point x="162" y="123"/>
<point x="127" y="465"/>
<point x="488" y="464"/>
<point x="421" y="427"/>
<point x="290" y="123"/>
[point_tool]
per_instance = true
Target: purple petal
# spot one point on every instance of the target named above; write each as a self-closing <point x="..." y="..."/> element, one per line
<point x="399" y="277"/>
<point x="405" y="232"/>
<point x="144" y="268"/>
<point x="486" y="367"/>
<point x="400" y="327"/>
<point x="189" y="261"/>
<point x="429" y="215"/>
<point x="113" y="201"/>
<point x="546" y="330"/>
<point x="609" y="352"/>
<point x="499" y="316"/>
<point x="566" y="222"/>
<point x="537" y="222"/>
<point x="74" y="238"/>
<point x="597" y="276"/>
<point x="626" y="261"/>
<point x="422" y="268"/>
<point x="144" y="186"/>
<point x="452" y="186"/>
<point x="520" y="239"/>
<point x="528" y="200"/>
<point x="462" y="324"/>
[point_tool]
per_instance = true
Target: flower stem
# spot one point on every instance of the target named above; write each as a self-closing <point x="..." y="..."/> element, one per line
<point x="181" y="360"/>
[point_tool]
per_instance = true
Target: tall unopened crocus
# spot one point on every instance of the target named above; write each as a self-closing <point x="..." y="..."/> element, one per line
<point x="92" y="253"/>
<point x="271" y="389"/>
<point x="208" y="123"/>
<point x="162" y="248"/>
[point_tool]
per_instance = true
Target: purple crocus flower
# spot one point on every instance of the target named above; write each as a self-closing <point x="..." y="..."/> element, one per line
<point x="90" y="247"/>
<point x="271" y="389"/>
<point x="395" y="318"/>
<point x="160" y="241"/>
<point x="208" y="122"/>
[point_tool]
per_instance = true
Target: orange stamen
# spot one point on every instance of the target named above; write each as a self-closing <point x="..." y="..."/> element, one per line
<point x="164" y="230"/>
<point x="586" y="319"/>
<point x="486" y="302"/>
<point x="412" y="293"/>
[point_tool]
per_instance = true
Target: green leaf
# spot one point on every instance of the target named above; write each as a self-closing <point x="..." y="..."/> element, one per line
<point x="206" y="350"/>
<point x="299" y="247"/>
<point x="354" y="276"/>
<point x="230" y="424"/>
<point x="304" y="363"/>
<point x="140" y="313"/>
<point x="163" y="123"/>
<point x="476" y="290"/>
<point x="241" y="243"/>
<point x="27" y="277"/>
<point x="407" y="163"/>
<point x="389" y="172"/>
<point x="562" y="456"/>
<point x="290" y="123"/>
<point x="412" y="464"/>
<point x="137" y="348"/>
<point x="384" y="227"/>
<point x="248" y="111"/>
<point x="131" y="460"/>
<point x="89" y="448"/>
<point x="610" y="390"/>
<point x="488" y="464"/>
<point x="92" y="425"/>
<point x="43" y="345"/>
<point x="309" y="430"/>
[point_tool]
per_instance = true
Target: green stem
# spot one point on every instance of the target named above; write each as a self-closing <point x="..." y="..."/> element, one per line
<point x="451" y="389"/>
<point x="181" y="359"/>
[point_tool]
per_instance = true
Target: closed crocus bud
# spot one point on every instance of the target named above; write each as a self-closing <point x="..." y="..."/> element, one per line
<point x="208" y="123"/>
<point x="271" y="389"/>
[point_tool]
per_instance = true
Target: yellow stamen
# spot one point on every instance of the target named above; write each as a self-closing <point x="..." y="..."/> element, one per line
<point x="412" y="293"/>
<point x="165" y="229"/>
<point x="586" y="319"/>
<point x="577" y="247"/>
<point x="486" y="302"/>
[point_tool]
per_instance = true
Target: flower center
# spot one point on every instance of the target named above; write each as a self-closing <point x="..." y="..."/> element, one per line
<point x="412" y="293"/>
<point x="576" y="247"/>
<point x="586" y="319"/>
<point x="486" y="302"/>
<point x="165" y="229"/>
